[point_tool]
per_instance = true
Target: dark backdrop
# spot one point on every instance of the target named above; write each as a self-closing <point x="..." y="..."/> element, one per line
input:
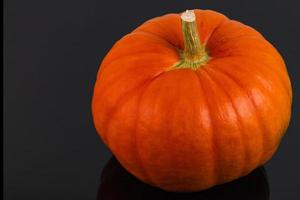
<point x="52" y="49"/>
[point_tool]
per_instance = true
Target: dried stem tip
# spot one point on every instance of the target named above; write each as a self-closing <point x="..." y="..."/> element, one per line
<point x="188" y="16"/>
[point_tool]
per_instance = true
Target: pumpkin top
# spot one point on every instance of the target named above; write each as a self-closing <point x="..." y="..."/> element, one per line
<point x="191" y="40"/>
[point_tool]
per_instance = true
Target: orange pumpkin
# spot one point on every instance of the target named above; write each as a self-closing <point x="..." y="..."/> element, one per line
<point x="186" y="102"/>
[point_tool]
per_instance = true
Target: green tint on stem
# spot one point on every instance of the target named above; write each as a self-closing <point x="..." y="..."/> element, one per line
<point x="193" y="55"/>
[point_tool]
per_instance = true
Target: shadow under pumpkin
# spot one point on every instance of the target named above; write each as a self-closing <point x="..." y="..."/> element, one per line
<point x="117" y="184"/>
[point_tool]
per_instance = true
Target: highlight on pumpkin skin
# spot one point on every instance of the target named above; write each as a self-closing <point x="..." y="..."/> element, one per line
<point x="193" y="55"/>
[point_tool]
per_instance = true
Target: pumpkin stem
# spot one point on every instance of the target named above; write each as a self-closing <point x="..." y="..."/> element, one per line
<point x="194" y="54"/>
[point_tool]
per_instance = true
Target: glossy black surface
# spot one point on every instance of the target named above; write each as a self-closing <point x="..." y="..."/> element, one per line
<point x="52" y="49"/>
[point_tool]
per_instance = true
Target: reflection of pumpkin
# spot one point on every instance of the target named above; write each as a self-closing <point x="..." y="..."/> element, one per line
<point x="184" y="113"/>
<point x="117" y="184"/>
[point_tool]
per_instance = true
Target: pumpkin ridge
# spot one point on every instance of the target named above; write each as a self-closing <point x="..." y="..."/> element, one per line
<point x="235" y="113"/>
<point x="152" y="33"/>
<point x="254" y="34"/>
<point x="135" y="139"/>
<point x="267" y="136"/>
<point x="134" y="134"/>
<point x="215" y="29"/>
<point x="119" y="59"/>
<point x="264" y="131"/>
<point x="239" y="125"/>
<point x="213" y="134"/>
<point x="243" y="90"/>
<point x="266" y="67"/>
<point x="121" y="42"/>
<point x="118" y="104"/>
<point x="270" y="69"/>
<point x="231" y="40"/>
<point x="122" y="100"/>
<point x="117" y="107"/>
<point x="179" y="50"/>
<point x="235" y="52"/>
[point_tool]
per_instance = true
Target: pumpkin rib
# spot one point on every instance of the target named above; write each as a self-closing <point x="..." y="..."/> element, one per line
<point x="264" y="129"/>
<point x="214" y="133"/>
<point x="164" y="32"/>
<point x="236" y="40"/>
<point x="141" y="89"/>
<point x="234" y="46"/>
<point x="170" y="129"/>
<point x="131" y="67"/>
<point x="243" y="28"/>
<point x="214" y="151"/>
<point x="141" y="54"/>
<point x="275" y="79"/>
<point x="118" y="104"/>
<point x="220" y="162"/>
<point x="156" y="35"/>
<point x="135" y="138"/>
<point x="277" y="74"/>
<point x="153" y="34"/>
<point x="282" y="66"/>
<point x="199" y="15"/>
<point x="272" y="68"/>
<point x="238" y="117"/>
<point x="122" y="100"/>
<point x="128" y="56"/>
<point x="264" y="66"/>
<point x="270" y="92"/>
<point x="214" y="30"/>
<point x="226" y="24"/>
<point x="156" y="22"/>
<point x="153" y="181"/>
<point x="134" y="134"/>
<point x="123" y="42"/>
<point x="232" y="107"/>
<point x="242" y="90"/>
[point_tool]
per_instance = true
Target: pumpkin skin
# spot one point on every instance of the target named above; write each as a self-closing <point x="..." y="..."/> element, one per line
<point x="184" y="129"/>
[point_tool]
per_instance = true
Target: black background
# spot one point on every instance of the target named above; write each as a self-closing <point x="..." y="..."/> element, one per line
<point x="52" y="49"/>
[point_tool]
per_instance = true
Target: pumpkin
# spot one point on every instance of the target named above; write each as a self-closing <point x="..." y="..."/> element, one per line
<point x="188" y="101"/>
